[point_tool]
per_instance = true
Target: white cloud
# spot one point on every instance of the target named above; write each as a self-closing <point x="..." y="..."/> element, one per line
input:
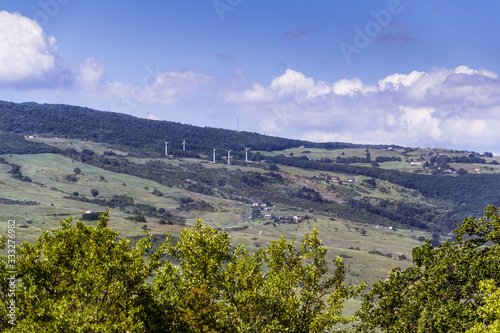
<point x="395" y="81"/>
<point x="441" y="107"/>
<point x="153" y="117"/>
<point x="351" y="87"/>
<point x="29" y="59"/>
<point x="163" y="88"/>
<point x="169" y="87"/>
<point x="91" y="75"/>
<point x="297" y="84"/>
<point x="27" y="55"/>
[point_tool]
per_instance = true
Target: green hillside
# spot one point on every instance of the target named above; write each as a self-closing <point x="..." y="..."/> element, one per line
<point x="59" y="160"/>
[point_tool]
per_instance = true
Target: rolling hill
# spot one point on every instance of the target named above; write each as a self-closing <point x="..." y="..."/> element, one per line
<point x="60" y="160"/>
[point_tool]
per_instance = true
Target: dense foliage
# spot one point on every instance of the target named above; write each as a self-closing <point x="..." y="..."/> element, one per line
<point x="81" y="278"/>
<point x="11" y="143"/>
<point x="445" y="290"/>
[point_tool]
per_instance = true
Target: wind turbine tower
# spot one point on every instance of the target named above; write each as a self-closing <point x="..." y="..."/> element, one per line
<point x="246" y="154"/>
<point x="184" y="144"/>
<point x="214" y="154"/>
<point x="166" y="149"/>
<point x="228" y="157"/>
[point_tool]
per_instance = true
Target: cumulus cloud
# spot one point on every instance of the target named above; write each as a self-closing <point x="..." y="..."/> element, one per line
<point x="441" y="107"/>
<point x="161" y="88"/>
<point x="91" y="75"/>
<point x="29" y="59"/>
<point x="27" y="55"/>
<point x="351" y="87"/>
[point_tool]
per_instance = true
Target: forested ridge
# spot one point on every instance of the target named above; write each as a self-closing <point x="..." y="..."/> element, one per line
<point x="142" y="136"/>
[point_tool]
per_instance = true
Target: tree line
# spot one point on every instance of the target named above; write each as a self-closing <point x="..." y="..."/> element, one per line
<point x="142" y="137"/>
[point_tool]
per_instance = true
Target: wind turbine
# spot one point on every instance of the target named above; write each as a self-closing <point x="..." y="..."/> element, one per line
<point x="184" y="144"/>
<point x="214" y="154"/>
<point x="228" y="157"/>
<point x="246" y="153"/>
<point x="166" y="149"/>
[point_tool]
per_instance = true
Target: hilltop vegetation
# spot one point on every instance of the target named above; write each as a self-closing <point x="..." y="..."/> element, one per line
<point x="141" y="136"/>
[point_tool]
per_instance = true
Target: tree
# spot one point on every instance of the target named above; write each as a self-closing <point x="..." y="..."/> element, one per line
<point x="77" y="171"/>
<point x="442" y="292"/>
<point x="210" y="288"/>
<point x="157" y="192"/>
<point x="255" y="212"/>
<point x="489" y="313"/>
<point x="58" y="289"/>
<point x="215" y="289"/>
<point x="94" y="192"/>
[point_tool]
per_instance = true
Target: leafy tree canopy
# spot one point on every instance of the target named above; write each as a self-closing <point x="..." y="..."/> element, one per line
<point x="83" y="278"/>
<point x="445" y="291"/>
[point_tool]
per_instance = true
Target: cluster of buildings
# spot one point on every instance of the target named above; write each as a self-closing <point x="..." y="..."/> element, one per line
<point x="268" y="214"/>
<point x="336" y="179"/>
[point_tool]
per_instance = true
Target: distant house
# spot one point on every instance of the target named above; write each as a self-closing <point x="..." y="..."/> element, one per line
<point x="335" y="179"/>
<point x="269" y="215"/>
<point x="351" y="180"/>
<point x="416" y="163"/>
<point x="297" y="218"/>
<point x="263" y="204"/>
<point x="267" y="209"/>
<point x="477" y="170"/>
<point x="255" y="204"/>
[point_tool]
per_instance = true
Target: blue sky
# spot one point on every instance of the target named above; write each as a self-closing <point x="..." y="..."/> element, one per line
<point x="409" y="72"/>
